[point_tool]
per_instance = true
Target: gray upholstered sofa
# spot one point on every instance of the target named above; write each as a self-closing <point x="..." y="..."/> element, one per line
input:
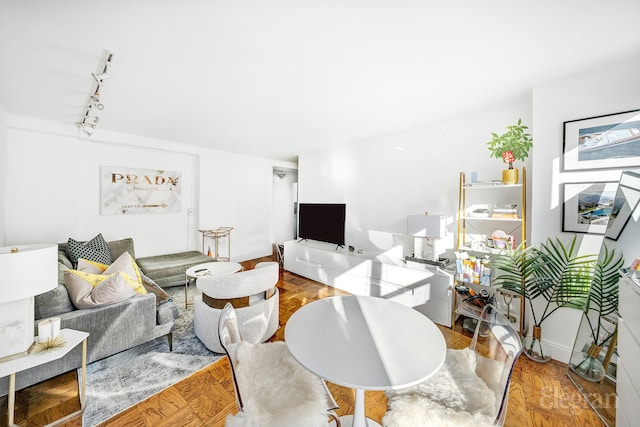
<point x="168" y="270"/>
<point x="112" y="328"/>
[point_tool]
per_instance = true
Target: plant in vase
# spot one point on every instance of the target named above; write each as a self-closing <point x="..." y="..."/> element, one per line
<point x="512" y="145"/>
<point x="602" y="302"/>
<point x="553" y="272"/>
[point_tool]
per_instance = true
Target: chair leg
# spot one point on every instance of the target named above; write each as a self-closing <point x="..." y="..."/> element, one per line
<point x="335" y="418"/>
<point x="170" y="339"/>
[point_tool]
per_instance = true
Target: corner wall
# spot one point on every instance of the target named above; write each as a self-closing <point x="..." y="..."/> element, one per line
<point x="611" y="89"/>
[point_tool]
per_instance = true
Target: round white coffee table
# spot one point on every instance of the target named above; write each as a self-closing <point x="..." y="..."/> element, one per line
<point x="207" y="269"/>
<point x="366" y="343"/>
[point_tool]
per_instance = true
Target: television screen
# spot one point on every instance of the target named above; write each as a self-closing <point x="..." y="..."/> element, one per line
<point x="322" y="221"/>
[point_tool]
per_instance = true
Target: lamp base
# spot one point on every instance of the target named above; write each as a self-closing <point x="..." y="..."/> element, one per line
<point x="16" y="328"/>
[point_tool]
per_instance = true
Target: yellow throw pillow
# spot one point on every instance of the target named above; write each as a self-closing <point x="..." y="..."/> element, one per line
<point x="124" y="263"/>
<point x="92" y="267"/>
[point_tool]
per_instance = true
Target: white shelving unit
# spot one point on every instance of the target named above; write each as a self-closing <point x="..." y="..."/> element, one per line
<point x="480" y="218"/>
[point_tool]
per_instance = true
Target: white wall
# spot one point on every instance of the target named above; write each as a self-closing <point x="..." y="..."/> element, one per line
<point x="237" y="193"/>
<point x="4" y="143"/>
<point x="611" y="89"/>
<point x="384" y="179"/>
<point x="284" y="225"/>
<point x="53" y="190"/>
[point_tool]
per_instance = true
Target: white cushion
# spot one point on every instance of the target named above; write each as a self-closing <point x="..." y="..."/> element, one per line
<point x="454" y="396"/>
<point x="276" y="391"/>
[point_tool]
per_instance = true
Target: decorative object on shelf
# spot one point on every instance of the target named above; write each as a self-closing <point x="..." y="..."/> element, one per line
<point x="27" y="270"/>
<point x="90" y="119"/>
<point x="512" y="145"/>
<point x="586" y="206"/>
<point x="48" y="328"/>
<point x="472" y="269"/>
<point x="602" y="302"/>
<point x="553" y="272"/>
<point x="50" y="344"/>
<point x="603" y="142"/>
<point x="501" y="240"/>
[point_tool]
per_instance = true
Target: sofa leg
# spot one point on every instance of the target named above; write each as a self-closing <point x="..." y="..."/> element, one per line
<point x="170" y="338"/>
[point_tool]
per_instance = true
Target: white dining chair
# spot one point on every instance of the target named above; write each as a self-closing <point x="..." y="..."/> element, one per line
<point x="472" y="387"/>
<point x="271" y="388"/>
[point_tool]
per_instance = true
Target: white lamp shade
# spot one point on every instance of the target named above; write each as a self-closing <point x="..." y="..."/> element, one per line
<point x="30" y="271"/>
<point x="427" y="225"/>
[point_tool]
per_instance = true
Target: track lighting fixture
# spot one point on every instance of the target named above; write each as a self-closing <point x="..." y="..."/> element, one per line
<point x="90" y="119"/>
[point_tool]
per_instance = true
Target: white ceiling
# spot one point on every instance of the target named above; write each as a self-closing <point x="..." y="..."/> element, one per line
<point x="276" y="78"/>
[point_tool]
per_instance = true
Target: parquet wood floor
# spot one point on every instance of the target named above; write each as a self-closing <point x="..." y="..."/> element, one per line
<point x="541" y="394"/>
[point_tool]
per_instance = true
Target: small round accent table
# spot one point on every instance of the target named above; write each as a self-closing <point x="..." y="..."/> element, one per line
<point x="207" y="269"/>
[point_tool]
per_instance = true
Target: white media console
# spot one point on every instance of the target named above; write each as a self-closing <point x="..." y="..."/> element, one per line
<point x="426" y="288"/>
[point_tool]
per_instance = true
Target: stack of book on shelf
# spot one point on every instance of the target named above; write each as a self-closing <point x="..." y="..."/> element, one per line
<point x="479" y="211"/>
<point x="505" y="211"/>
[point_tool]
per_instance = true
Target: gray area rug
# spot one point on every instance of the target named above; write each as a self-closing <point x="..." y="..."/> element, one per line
<point x="125" y="379"/>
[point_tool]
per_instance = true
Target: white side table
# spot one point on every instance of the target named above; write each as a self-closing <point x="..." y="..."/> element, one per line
<point x="207" y="269"/>
<point x="33" y="359"/>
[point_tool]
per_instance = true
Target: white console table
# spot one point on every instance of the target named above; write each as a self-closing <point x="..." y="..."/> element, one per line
<point x="73" y="338"/>
<point x="427" y="289"/>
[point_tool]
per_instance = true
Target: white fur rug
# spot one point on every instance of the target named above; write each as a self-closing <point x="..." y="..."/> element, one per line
<point x="276" y="391"/>
<point x="455" y="396"/>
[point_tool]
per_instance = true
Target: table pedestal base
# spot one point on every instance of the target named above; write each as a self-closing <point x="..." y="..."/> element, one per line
<point x="347" y="421"/>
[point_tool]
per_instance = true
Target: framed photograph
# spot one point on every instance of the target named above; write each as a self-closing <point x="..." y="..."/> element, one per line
<point x="587" y="206"/>
<point x="603" y="142"/>
<point x="624" y="205"/>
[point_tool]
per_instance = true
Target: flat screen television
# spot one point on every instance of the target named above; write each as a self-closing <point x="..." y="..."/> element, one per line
<point x="322" y="221"/>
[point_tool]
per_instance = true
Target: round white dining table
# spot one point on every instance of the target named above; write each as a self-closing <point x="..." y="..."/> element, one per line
<point x="365" y="343"/>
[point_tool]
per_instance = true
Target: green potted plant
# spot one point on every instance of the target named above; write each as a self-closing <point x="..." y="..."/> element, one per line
<point x="512" y="145"/>
<point x="553" y="272"/>
<point x="600" y="305"/>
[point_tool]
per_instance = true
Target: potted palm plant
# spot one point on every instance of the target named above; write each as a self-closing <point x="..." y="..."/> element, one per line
<point x="512" y="145"/>
<point x="601" y="304"/>
<point x="553" y="272"/>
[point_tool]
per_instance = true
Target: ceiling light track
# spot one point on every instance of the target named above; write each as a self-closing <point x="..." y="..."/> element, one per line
<point x="90" y="119"/>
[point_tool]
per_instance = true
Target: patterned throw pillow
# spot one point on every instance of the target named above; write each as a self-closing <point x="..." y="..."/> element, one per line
<point x="95" y="249"/>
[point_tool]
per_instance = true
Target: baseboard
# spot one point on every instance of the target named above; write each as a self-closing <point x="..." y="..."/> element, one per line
<point x="559" y="352"/>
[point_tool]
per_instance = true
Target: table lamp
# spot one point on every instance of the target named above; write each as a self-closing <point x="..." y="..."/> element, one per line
<point x="428" y="232"/>
<point x="25" y="271"/>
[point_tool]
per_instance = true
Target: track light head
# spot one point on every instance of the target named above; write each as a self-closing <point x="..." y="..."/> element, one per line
<point x="99" y="77"/>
